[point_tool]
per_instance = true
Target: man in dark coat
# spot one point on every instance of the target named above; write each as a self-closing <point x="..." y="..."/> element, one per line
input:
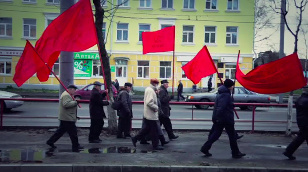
<point x="97" y="113"/>
<point x="223" y="117"/>
<point x="180" y="91"/>
<point x="301" y="106"/>
<point x="125" y="113"/>
<point x="209" y="84"/>
<point x="116" y="84"/>
<point x="165" y="118"/>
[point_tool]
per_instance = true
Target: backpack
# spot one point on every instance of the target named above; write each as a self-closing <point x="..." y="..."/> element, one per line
<point x="116" y="105"/>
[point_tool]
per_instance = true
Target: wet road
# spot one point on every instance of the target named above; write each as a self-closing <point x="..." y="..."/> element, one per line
<point x="45" y="114"/>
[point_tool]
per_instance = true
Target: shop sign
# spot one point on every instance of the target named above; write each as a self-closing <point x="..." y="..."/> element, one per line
<point x="82" y="55"/>
<point x="83" y="68"/>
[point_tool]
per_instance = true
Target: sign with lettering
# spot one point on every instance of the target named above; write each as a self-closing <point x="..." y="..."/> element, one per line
<point x="82" y="55"/>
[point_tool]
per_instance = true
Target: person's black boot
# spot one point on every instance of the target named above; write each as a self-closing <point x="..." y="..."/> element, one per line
<point x="238" y="155"/>
<point x="290" y="156"/>
<point x="206" y="153"/>
<point x="163" y="140"/>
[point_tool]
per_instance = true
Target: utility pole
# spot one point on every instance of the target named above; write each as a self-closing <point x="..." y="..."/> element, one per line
<point x="66" y="60"/>
<point x="282" y="25"/>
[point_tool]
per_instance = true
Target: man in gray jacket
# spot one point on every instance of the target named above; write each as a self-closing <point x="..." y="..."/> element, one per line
<point x="68" y="118"/>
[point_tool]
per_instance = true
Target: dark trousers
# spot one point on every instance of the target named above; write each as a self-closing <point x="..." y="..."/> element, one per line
<point x="180" y="95"/>
<point x="96" y="128"/>
<point x="217" y="129"/>
<point x="70" y="128"/>
<point x="124" y="126"/>
<point x="167" y="124"/>
<point x="149" y="127"/>
<point x="301" y="137"/>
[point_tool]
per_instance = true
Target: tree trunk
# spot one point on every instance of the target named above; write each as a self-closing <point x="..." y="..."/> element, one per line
<point x="99" y="17"/>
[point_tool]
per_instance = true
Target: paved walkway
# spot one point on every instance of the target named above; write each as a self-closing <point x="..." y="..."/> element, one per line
<point x="25" y="150"/>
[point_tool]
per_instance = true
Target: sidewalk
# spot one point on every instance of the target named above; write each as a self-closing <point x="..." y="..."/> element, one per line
<point x="264" y="153"/>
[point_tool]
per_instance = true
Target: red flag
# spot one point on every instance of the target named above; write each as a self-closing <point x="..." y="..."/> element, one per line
<point x="27" y="66"/>
<point x="280" y="76"/>
<point x="73" y="30"/>
<point x="159" y="41"/>
<point x="200" y="66"/>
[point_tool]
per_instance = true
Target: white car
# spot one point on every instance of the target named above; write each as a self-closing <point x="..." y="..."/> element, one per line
<point x="9" y="104"/>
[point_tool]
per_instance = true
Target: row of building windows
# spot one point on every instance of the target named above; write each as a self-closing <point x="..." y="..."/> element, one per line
<point x="232" y="5"/>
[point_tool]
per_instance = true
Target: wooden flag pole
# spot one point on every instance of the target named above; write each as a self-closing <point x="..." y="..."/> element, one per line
<point x="238" y="57"/>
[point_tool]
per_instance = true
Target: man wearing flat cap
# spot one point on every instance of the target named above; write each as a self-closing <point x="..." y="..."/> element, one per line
<point x="164" y="117"/>
<point x="125" y="113"/>
<point x="97" y="113"/>
<point x="67" y="118"/>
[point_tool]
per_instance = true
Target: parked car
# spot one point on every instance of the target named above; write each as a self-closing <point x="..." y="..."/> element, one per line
<point x="241" y="95"/>
<point x="9" y="104"/>
<point x="85" y="92"/>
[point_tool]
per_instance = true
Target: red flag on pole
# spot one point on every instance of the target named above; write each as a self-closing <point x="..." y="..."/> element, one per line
<point x="27" y="66"/>
<point x="73" y="30"/>
<point x="200" y="66"/>
<point x="159" y="41"/>
<point x="280" y="76"/>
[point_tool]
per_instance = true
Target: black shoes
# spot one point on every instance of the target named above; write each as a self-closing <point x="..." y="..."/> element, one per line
<point x="77" y="149"/>
<point x="134" y="141"/>
<point x="51" y="145"/>
<point x="144" y="142"/>
<point x="173" y="137"/>
<point x="95" y="141"/>
<point x="291" y="157"/>
<point x="158" y="148"/>
<point x="239" y="137"/>
<point x="206" y="153"/>
<point x="238" y="155"/>
<point x="164" y="143"/>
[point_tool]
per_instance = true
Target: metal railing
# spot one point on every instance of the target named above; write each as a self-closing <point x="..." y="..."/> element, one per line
<point x="254" y="105"/>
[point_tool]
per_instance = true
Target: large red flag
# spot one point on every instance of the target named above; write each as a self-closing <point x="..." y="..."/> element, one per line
<point x="28" y="65"/>
<point x="159" y="41"/>
<point x="200" y="66"/>
<point x="73" y="30"/>
<point x="280" y="76"/>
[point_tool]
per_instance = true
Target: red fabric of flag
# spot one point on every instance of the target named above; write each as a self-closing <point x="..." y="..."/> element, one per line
<point x="159" y="41"/>
<point x="200" y="66"/>
<point x="73" y="30"/>
<point x="280" y="76"/>
<point x="27" y="65"/>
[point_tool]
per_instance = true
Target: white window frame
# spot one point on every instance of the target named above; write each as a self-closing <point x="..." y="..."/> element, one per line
<point x="233" y="2"/>
<point x="145" y="2"/>
<point x="142" y="69"/>
<point x="143" y="30"/>
<point x="188" y="7"/>
<point x="211" y="1"/>
<point x="229" y="34"/>
<point x="53" y="2"/>
<point x="29" y="1"/>
<point x="122" y="31"/>
<point x="5" y="60"/>
<point x="104" y="31"/>
<point x="5" y="25"/>
<point x="57" y="63"/>
<point x="210" y="34"/>
<point x="126" y="4"/>
<point x="97" y="63"/>
<point x="168" y="5"/>
<point x="187" y="34"/>
<point x="50" y="16"/>
<point x="104" y="3"/>
<point x="123" y="72"/>
<point x="165" y="69"/>
<point x="229" y="70"/>
<point x="29" y="25"/>
<point x="183" y="73"/>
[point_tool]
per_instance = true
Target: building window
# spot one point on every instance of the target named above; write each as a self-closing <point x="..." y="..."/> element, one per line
<point x="53" y="1"/>
<point x="165" y="25"/>
<point x="29" y="1"/>
<point x="230" y="71"/>
<point x="97" y="69"/>
<point x="210" y="34"/>
<point x="121" y="68"/>
<point x="165" y="69"/>
<point x="188" y="34"/>
<point x="5" y="66"/>
<point x="123" y="3"/>
<point x="143" y="69"/>
<point x="211" y="4"/>
<point x="5" y="27"/>
<point x="189" y="4"/>
<point x="104" y="3"/>
<point x="145" y="3"/>
<point x="183" y="73"/>
<point x="233" y="4"/>
<point x="122" y="32"/>
<point x="167" y="4"/>
<point x="231" y="36"/>
<point x="56" y="68"/>
<point x="29" y="28"/>
<point x="143" y="28"/>
<point x="104" y="30"/>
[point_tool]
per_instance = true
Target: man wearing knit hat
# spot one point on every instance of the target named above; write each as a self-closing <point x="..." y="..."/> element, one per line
<point x="223" y="118"/>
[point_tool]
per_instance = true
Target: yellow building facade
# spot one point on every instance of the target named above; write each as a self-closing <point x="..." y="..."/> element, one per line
<point x="224" y="26"/>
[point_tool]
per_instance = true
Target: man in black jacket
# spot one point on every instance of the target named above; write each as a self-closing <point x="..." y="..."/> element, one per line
<point x="165" y="117"/>
<point x="97" y="113"/>
<point x="180" y="91"/>
<point x="125" y="113"/>
<point x="223" y="117"/>
<point x="301" y="106"/>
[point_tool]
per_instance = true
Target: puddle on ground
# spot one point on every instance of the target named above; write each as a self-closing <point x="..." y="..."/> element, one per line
<point x="24" y="155"/>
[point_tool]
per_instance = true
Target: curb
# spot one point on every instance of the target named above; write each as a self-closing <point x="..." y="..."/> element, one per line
<point x="133" y="168"/>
